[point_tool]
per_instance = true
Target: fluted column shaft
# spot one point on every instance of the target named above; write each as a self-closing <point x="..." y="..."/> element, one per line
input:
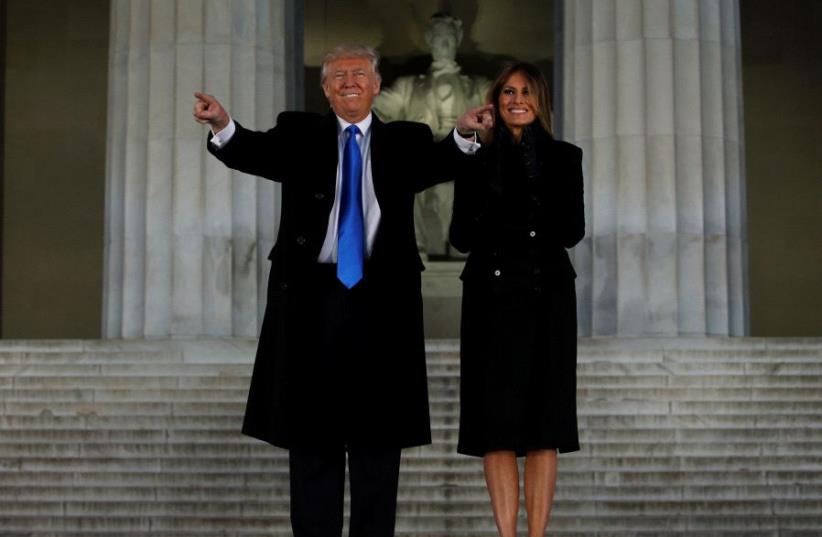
<point x="652" y="94"/>
<point x="186" y="239"/>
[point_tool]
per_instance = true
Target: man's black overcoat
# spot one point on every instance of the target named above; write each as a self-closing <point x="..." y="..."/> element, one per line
<point x="301" y="394"/>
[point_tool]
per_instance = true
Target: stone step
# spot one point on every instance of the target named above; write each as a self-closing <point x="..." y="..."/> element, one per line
<point x="625" y="382"/>
<point x="260" y="519"/>
<point x="483" y="532"/>
<point x="730" y="421"/>
<point x="170" y="423"/>
<point x="661" y="355"/>
<point x="89" y="358"/>
<point x="121" y="525"/>
<point x="449" y="386"/>
<point x="222" y="350"/>
<point x="683" y="451"/>
<point x="132" y="408"/>
<point x="446" y="423"/>
<point x="444" y="361"/>
<point x="448" y="467"/>
<point x="128" y="369"/>
<point x="596" y="411"/>
<point x="57" y="400"/>
<point x="196" y="376"/>
<point x="434" y="348"/>
<point x="104" y="394"/>
<point x="277" y="491"/>
<point x="572" y="483"/>
<point x="466" y="513"/>
<point x="245" y="520"/>
<point x="684" y="368"/>
<point x="651" y="382"/>
<point x="230" y="435"/>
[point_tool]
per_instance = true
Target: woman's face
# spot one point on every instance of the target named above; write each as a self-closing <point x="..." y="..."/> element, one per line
<point x="516" y="106"/>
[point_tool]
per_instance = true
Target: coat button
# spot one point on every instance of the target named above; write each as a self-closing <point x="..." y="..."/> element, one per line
<point x="497" y="272"/>
<point x="532" y="234"/>
<point x="300" y="240"/>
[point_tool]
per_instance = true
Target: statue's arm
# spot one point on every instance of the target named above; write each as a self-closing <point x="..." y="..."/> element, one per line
<point x="391" y="102"/>
<point x="481" y="87"/>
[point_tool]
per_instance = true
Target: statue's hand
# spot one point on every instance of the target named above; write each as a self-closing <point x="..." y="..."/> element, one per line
<point x="480" y="118"/>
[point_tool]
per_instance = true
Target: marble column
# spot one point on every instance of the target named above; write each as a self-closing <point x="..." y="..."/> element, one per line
<point x="186" y="239"/>
<point x="652" y="93"/>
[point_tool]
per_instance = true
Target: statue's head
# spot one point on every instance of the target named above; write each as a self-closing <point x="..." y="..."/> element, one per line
<point x="443" y="34"/>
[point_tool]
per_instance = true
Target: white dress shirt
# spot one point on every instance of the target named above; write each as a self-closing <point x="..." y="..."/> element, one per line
<point x="370" y="207"/>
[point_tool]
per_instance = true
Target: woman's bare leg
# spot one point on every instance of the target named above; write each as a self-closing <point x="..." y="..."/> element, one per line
<point x="502" y="479"/>
<point x="540" y="482"/>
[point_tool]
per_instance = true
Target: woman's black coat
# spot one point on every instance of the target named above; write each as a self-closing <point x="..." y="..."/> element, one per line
<point x="516" y="212"/>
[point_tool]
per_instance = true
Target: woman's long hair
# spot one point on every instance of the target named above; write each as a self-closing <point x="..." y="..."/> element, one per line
<point x="539" y="90"/>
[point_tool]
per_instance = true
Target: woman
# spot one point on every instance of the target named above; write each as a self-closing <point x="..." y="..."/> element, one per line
<point x="515" y="214"/>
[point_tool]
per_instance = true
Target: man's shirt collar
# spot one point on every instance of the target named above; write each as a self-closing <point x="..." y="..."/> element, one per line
<point x="363" y="125"/>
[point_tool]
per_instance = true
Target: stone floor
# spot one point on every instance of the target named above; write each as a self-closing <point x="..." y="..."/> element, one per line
<point x="692" y="437"/>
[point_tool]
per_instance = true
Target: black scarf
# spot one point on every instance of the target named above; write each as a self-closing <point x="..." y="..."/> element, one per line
<point x="510" y="160"/>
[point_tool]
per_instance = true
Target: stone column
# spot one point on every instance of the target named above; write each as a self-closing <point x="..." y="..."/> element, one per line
<point x="652" y="93"/>
<point x="186" y="239"/>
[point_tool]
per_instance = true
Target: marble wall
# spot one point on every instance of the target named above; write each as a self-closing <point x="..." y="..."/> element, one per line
<point x="782" y="81"/>
<point x="54" y="168"/>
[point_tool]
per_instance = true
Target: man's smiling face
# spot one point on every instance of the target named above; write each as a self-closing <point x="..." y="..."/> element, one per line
<point x="350" y="86"/>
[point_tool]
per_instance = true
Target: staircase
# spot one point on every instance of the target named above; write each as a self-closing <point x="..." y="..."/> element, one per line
<point x="697" y="437"/>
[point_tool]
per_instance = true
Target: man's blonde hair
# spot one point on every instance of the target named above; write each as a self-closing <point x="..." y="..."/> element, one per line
<point x="351" y="51"/>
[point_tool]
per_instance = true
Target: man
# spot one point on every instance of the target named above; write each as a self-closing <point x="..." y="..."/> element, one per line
<point x="436" y="98"/>
<point x="340" y="366"/>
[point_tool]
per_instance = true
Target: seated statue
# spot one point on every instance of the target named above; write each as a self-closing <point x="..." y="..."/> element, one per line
<point x="436" y="98"/>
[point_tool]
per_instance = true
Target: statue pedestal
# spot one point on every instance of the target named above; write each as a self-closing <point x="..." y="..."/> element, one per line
<point x="441" y="297"/>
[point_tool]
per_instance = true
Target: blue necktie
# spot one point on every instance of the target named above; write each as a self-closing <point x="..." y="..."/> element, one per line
<point x="350" y="236"/>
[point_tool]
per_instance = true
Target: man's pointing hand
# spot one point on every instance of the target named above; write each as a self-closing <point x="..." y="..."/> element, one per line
<point x="209" y="111"/>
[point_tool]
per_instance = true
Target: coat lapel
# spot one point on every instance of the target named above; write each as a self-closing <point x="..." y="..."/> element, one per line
<point x="378" y="158"/>
<point x="329" y="153"/>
